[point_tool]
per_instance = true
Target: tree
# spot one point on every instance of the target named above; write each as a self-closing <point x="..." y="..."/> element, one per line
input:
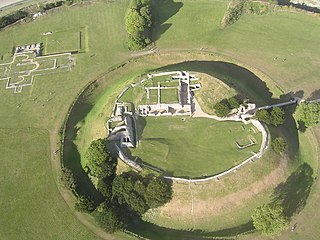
<point x="121" y="188"/>
<point x="263" y="115"/>
<point x="105" y="188"/>
<point x="279" y="145"/>
<point x="277" y="116"/>
<point x="269" y="219"/>
<point x="221" y="109"/>
<point x="233" y="103"/>
<point x="158" y="193"/>
<point x="66" y="179"/>
<point x="84" y="204"/>
<point x="136" y="203"/>
<point x="108" y="218"/>
<point x="99" y="162"/>
<point x="308" y="113"/>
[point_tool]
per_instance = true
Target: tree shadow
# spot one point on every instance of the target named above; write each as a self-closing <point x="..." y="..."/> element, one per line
<point x="314" y="95"/>
<point x="292" y="195"/>
<point x="298" y="5"/>
<point x="162" y="11"/>
<point x="155" y="232"/>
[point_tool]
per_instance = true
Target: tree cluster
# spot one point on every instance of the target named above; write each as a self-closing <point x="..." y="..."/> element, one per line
<point x="224" y="107"/>
<point x="270" y="219"/>
<point x="308" y="113"/>
<point x="274" y="117"/>
<point x="123" y="196"/>
<point x="12" y="18"/>
<point x="138" y="21"/>
<point x="140" y="195"/>
<point x="279" y="145"/>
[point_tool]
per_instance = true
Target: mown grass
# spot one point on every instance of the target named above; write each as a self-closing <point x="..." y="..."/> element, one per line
<point x="194" y="147"/>
<point x="289" y="38"/>
<point x="31" y="206"/>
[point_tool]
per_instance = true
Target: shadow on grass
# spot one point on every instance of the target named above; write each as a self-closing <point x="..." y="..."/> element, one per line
<point x="314" y="95"/>
<point x="293" y="193"/>
<point x="252" y="87"/>
<point x="152" y="231"/>
<point x="71" y="155"/>
<point x="162" y="11"/>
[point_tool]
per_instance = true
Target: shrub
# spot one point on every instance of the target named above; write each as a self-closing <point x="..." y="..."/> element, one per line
<point x="12" y="18"/>
<point x="222" y="109"/>
<point x="84" y="204"/>
<point x="234" y="11"/>
<point x="66" y="179"/>
<point x="279" y="145"/>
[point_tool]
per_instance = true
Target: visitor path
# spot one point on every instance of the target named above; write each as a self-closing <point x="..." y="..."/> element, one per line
<point x="198" y="112"/>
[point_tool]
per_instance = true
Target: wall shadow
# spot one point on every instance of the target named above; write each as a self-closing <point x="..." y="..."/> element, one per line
<point x="162" y="11"/>
<point x="293" y="193"/>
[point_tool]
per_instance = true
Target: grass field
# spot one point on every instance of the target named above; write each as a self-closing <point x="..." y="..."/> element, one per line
<point x="30" y="121"/>
<point x="194" y="147"/>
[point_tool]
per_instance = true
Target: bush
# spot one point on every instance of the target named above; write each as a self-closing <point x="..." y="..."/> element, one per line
<point x="279" y="145"/>
<point x="66" y="179"/>
<point x="12" y="18"/>
<point x="269" y="219"/>
<point x="234" y="12"/>
<point x="84" y="204"/>
<point x="222" y="109"/>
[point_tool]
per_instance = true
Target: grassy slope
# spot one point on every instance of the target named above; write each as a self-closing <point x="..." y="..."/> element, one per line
<point x="208" y="146"/>
<point x="31" y="206"/>
<point x="255" y="40"/>
<point x="106" y="47"/>
<point x="37" y="210"/>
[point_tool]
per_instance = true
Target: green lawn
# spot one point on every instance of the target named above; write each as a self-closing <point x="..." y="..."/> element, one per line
<point x="169" y="95"/>
<point x="69" y="40"/>
<point x="194" y="147"/>
<point x="31" y="205"/>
